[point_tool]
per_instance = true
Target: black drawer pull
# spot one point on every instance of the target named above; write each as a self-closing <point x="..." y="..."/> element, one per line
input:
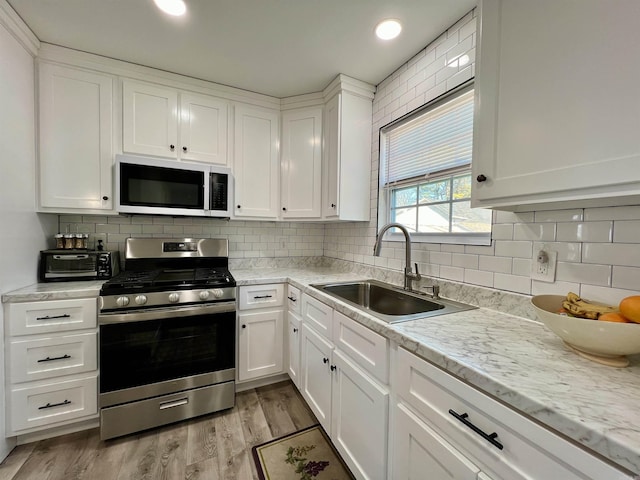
<point x="293" y="299"/>
<point x="263" y="296"/>
<point x="295" y="330"/>
<point x="65" y="315"/>
<point x="51" y="405"/>
<point x="491" y="438"/>
<point x="49" y="359"/>
<point x="325" y="360"/>
<point x="333" y="368"/>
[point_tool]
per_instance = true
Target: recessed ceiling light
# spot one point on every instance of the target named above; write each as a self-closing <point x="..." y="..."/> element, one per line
<point x="172" y="7"/>
<point x="388" y="29"/>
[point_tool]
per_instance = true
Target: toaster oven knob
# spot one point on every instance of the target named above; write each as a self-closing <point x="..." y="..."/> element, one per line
<point x="141" y="299"/>
<point x="122" y="301"/>
<point x="174" y="297"/>
<point x="204" y="294"/>
<point x="217" y="292"/>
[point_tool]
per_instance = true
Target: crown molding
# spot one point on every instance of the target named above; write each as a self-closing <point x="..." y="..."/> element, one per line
<point x="18" y="29"/>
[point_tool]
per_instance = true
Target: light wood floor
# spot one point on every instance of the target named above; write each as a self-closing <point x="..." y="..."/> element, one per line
<point x="212" y="447"/>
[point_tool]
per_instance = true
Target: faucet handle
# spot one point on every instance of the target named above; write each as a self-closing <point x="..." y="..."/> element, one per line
<point x="417" y="272"/>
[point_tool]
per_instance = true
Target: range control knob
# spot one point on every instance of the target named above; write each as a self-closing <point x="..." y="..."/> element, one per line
<point x="174" y="297"/>
<point x="141" y="299"/>
<point x="204" y="294"/>
<point x="122" y="301"/>
<point x="217" y="292"/>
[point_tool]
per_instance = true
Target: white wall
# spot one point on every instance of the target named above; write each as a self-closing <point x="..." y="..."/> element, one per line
<point x="22" y="232"/>
<point x="598" y="248"/>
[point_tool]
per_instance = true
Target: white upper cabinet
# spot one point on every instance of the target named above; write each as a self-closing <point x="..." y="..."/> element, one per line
<point x="256" y="165"/>
<point x="76" y="139"/>
<point x="166" y="122"/>
<point x="301" y="164"/>
<point x="556" y="103"/>
<point x="347" y="151"/>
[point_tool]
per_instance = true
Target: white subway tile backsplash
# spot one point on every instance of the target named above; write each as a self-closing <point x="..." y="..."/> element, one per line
<point x="512" y="283"/>
<point x="534" y="231"/>
<point x="612" y="213"/>
<point x="107" y="228"/>
<point x="465" y="260"/>
<point x="626" y="231"/>
<point x="440" y="258"/>
<point x="478" y="277"/>
<point x="610" y="296"/>
<point x="575" y="215"/>
<point x="452" y="273"/>
<point x="556" y="288"/>
<point x="584" y="273"/>
<point x="521" y="266"/>
<point x="567" y="252"/>
<point x="585" y="232"/>
<point x="521" y="248"/>
<point x="625" y="254"/>
<point x="495" y="264"/>
<point x="513" y="217"/>
<point x="626" y="277"/>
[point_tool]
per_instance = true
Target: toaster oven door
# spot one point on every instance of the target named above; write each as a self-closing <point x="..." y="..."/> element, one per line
<point x="68" y="266"/>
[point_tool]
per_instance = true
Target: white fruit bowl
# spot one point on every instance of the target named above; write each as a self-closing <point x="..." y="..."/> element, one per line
<point x="603" y="342"/>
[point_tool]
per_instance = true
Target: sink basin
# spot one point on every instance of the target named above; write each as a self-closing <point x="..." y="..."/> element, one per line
<point x="388" y="302"/>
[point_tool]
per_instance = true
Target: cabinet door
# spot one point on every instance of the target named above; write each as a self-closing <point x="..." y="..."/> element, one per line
<point x="359" y="411"/>
<point x="293" y="334"/>
<point x="150" y="121"/>
<point x="301" y="164"/>
<point x="76" y="138"/>
<point x="203" y="129"/>
<point x="256" y="164"/>
<point x="553" y="123"/>
<point x="260" y="339"/>
<point x="331" y="174"/>
<point x="315" y="358"/>
<point x="419" y="452"/>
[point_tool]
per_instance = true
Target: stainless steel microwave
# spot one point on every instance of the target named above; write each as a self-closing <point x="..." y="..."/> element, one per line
<point x="169" y="187"/>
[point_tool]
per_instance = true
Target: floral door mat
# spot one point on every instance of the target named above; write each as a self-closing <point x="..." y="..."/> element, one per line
<point x="304" y="455"/>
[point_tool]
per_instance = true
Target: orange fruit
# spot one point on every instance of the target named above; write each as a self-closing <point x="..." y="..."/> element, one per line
<point x="613" y="317"/>
<point x="630" y="308"/>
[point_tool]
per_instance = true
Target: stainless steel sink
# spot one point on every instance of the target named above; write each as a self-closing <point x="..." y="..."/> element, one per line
<point x="390" y="303"/>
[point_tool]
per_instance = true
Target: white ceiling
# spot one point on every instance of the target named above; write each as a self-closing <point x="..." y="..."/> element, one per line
<point x="275" y="47"/>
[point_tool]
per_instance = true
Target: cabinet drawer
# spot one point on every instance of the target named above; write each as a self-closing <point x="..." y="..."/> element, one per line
<point x="53" y="403"/>
<point x="318" y="316"/>
<point x="293" y="297"/>
<point x="52" y="356"/>
<point x="367" y="348"/>
<point x="529" y="450"/>
<point x="260" y="296"/>
<point x="52" y="316"/>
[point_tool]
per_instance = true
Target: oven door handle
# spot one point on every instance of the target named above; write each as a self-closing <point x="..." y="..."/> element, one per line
<point x="165" y="312"/>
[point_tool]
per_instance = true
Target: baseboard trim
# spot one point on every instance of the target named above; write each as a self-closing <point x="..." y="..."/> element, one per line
<point x="261" y="382"/>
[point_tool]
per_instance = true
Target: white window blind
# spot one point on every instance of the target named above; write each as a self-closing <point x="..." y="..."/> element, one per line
<point x="437" y="140"/>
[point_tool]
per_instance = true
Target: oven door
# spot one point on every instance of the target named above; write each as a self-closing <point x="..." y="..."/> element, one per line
<point x="151" y="352"/>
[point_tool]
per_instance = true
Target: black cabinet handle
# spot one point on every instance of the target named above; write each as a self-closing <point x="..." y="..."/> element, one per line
<point x="293" y="299"/>
<point x="172" y="147"/>
<point x="51" y="405"/>
<point x="263" y="296"/>
<point x="49" y="359"/>
<point x="239" y="206"/>
<point x="333" y="368"/>
<point x="244" y="326"/>
<point x="184" y="149"/>
<point x="333" y="205"/>
<point x="105" y="198"/>
<point x="325" y="360"/>
<point x="491" y="438"/>
<point x="481" y="178"/>
<point x="295" y="330"/>
<point x="66" y="315"/>
<point x="284" y="209"/>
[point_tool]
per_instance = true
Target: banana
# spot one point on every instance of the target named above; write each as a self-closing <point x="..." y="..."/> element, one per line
<point x="585" y="309"/>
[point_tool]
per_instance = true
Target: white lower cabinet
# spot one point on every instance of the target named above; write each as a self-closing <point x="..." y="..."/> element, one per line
<point x="260" y="331"/>
<point x="469" y="429"/>
<point x="421" y="453"/>
<point x="350" y="404"/>
<point x="51" y="364"/>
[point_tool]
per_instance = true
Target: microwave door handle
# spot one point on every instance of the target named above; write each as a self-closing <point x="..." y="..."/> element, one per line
<point x="70" y="257"/>
<point x="207" y="192"/>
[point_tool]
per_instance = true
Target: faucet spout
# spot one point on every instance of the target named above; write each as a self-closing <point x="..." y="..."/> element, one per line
<point x="409" y="275"/>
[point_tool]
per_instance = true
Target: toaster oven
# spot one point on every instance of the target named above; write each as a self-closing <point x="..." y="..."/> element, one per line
<point x="69" y="265"/>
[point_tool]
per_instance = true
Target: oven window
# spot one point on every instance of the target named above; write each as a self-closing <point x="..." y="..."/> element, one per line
<point x="140" y="353"/>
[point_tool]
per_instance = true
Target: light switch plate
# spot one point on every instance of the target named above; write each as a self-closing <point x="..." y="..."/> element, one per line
<point x="545" y="271"/>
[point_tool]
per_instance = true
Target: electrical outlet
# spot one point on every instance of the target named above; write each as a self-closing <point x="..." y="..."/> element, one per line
<point x="543" y="266"/>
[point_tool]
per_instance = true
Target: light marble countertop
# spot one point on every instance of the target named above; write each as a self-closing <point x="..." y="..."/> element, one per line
<point x="514" y="359"/>
<point x="506" y="356"/>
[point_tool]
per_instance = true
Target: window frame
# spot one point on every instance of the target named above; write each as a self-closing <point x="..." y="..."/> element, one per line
<point x="385" y="192"/>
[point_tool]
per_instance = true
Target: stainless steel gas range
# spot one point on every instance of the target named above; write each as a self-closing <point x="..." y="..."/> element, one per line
<point x="167" y="335"/>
